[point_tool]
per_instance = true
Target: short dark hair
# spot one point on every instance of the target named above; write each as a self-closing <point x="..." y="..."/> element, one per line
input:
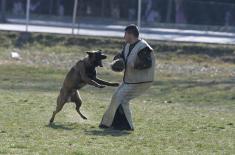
<point x="132" y="29"/>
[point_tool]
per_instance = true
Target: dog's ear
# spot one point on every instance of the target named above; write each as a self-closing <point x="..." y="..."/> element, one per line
<point x="100" y="53"/>
<point x="89" y="54"/>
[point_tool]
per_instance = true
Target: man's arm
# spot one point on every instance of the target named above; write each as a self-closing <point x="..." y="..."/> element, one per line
<point x="144" y="59"/>
<point x="120" y="55"/>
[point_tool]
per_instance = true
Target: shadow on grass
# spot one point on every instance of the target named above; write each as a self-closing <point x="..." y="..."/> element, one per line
<point x="107" y="132"/>
<point x="70" y="126"/>
<point x="95" y="132"/>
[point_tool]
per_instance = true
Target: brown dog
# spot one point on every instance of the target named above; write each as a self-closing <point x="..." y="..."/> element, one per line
<point x="81" y="74"/>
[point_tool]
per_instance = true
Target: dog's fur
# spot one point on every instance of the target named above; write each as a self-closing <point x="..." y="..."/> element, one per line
<point x="81" y="74"/>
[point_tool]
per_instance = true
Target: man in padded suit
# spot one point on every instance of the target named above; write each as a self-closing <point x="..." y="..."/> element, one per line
<point x="138" y="77"/>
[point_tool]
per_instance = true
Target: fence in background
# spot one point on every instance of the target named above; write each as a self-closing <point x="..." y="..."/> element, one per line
<point x="187" y="14"/>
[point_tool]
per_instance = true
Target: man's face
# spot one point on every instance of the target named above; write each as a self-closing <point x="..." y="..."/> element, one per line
<point x="128" y="37"/>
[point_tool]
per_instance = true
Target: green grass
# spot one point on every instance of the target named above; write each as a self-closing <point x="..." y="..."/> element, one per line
<point x="184" y="112"/>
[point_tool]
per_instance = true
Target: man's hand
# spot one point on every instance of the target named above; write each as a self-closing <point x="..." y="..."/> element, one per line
<point x="118" y="65"/>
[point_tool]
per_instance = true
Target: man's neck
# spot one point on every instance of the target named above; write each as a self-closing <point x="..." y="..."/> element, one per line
<point x="134" y="41"/>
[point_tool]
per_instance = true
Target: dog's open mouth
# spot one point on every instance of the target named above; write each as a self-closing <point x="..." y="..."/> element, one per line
<point x="102" y="58"/>
<point x="101" y="63"/>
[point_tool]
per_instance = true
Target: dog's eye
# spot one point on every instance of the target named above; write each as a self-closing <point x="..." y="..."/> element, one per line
<point x="98" y="56"/>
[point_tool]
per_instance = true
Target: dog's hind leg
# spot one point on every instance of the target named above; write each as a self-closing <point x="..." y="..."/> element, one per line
<point x="61" y="100"/>
<point x="78" y="101"/>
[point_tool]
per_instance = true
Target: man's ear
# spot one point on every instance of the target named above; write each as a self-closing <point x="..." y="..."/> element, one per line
<point x="89" y="54"/>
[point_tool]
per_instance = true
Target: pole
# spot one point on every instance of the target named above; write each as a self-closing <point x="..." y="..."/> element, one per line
<point x="74" y="15"/>
<point x="27" y="15"/>
<point x="139" y="13"/>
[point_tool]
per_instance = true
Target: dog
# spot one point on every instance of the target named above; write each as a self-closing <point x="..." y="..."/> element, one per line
<point x="81" y="74"/>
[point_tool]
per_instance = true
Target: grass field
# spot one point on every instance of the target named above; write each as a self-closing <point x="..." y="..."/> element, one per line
<point x="190" y="109"/>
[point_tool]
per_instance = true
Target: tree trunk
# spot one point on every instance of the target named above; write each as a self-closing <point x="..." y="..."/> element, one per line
<point x="179" y="12"/>
<point x="3" y="11"/>
<point x="102" y="8"/>
<point x="169" y="11"/>
<point x="51" y="7"/>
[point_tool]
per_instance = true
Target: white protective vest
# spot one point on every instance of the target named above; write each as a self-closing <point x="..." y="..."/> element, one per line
<point x="134" y="76"/>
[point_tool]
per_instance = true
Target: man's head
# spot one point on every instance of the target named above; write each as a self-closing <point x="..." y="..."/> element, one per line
<point x="96" y="58"/>
<point x="131" y="33"/>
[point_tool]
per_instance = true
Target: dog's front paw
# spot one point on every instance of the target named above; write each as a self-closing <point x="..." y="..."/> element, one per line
<point x="84" y="118"/>
<point x="101" y="86"/>
<point x="115" y="84"/>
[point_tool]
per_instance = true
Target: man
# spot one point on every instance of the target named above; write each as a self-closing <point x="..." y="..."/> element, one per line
<point x="138" y="77"/>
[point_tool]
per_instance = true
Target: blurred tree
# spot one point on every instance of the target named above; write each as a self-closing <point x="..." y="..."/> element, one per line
<point x="169" y="11"/>
<point x="51" y="6"/>
<point x="220" y="1"/>
<point x="3" y="11"/>
<point x="179" y="12"/>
